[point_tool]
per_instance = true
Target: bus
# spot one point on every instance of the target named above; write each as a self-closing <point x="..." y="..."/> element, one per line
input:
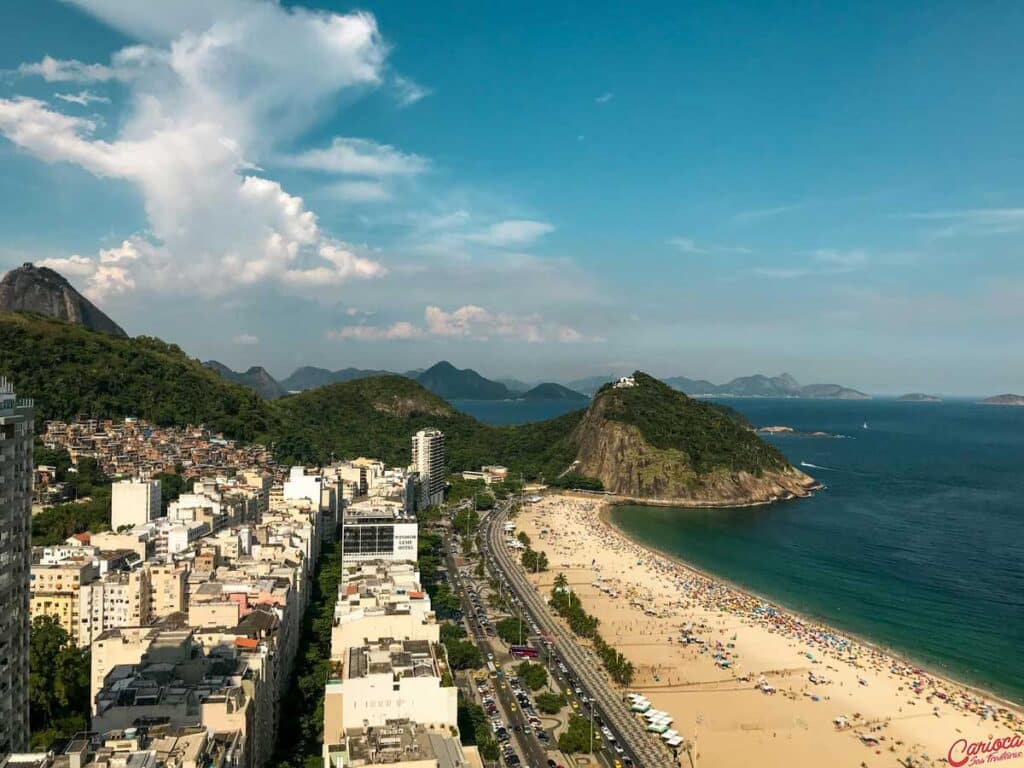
<point x="523" y="652"/>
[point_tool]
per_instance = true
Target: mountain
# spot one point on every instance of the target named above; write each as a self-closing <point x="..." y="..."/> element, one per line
<point x="44" y="292"/>
<point x="451" y="383"/>
<point x="919" y="397"/>
<point x="310" y="377"/>
<point x="515" y="386"/>
<point x="590" y="384"/>
<point x="72" y="371"/>
<point x="758" y="385"/>
<point x="1004" y="400"/>
<point x="692" y="386"/>
<point x="256" y="378"/>
<point x="551" y="391"/>
<point x="652" y="443"/>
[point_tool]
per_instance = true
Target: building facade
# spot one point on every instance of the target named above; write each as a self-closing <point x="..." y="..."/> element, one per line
<point x="16" y="431"/>
<point x="428" y="457"/>
<point x="134" y="502"/>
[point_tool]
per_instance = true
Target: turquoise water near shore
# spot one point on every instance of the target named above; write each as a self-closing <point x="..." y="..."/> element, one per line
<point x="916" y="543"/>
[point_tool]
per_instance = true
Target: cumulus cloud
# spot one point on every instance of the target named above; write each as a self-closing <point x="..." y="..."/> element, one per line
<point x="360" y="191"/>
<point x="214" y="89"/>
<point x="71" y="266"/>
<point x="685" y="245"/>
<point x="470" y="323"/>
<point x="246" y="340"/>
<point x="82" y="98"/>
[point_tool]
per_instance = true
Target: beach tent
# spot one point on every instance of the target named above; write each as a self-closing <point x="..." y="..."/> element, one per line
<point x="667" y="720"/>
<point x="657" y="728"/>
<point x="667" y="735"/>
<point x="640" y="707"/>
<point x="675" y="741"/>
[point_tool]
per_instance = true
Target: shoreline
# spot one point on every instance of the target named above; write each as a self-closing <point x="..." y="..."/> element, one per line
<point x="747" y="679"/>
<point x="604" y="515"/>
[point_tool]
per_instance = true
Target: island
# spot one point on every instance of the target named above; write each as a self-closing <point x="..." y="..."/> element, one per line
<point x="919" y="397"/>
<point x="1004" y="400"/>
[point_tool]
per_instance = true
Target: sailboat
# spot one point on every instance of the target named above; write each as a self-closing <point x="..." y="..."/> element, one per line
<point x="865" y="425"/>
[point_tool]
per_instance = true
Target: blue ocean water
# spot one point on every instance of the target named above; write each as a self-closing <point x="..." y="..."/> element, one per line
<point x="516" y="411"/>
<point x="916" y="543"/>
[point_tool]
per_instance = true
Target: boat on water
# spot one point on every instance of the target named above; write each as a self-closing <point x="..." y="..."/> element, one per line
<point x="865" y="425"/>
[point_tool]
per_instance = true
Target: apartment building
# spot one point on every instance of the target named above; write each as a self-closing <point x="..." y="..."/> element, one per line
<point x="428" y="459"/>
<point x="16" y="435"/>
<point x="378" y="529"/>
<point x="133" y="502"/>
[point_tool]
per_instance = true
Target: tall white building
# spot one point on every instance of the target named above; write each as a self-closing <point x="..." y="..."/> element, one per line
<point x="428" y="459"/>
<point x="16" y="428"/>
<point x="134" y="502"/>
<point x="378" y="529"/>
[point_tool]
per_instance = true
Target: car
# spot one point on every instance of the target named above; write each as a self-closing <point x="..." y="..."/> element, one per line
<point x="490" y="656"/>
<point x="619" y="750"/>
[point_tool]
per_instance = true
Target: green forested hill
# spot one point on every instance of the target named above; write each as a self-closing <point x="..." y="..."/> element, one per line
<point x="710" y="435"/>
<point x="71" y="371"/>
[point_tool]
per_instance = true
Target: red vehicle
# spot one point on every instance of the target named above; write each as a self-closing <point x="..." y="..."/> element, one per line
<point x="523" y="652"/>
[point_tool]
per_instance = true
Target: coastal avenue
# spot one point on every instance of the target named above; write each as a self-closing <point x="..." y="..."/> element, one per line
<point x="647" y="752"/>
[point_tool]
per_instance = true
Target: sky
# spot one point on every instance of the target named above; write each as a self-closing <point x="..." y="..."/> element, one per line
<point x="534" y="190"/>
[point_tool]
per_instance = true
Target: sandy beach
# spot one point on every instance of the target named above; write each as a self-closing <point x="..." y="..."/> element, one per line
<point x="757" y="685"/>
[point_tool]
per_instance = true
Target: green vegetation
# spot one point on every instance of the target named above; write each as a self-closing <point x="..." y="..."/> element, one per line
<point x="577" y="482"/>
<point x="445" y="602"/>
<point x="88" y="483"/>
<point x="550" y="703"/>
<point x="172" y="485"/>
<point x="535" y="676"/>
<point x="58" y="683"/>
<point x="578" y="736"/>
<point x="712" y="437"/>
<point x="567" y="605"/>
<point x="300" y="733"/>
<point x="535" y="562"/>
<point x="466" y="521"/>
<point x="474" y="729"/>
<point x="511" y="630"/>
<point x="70" y="371"/>
<point x="462" y="653"/>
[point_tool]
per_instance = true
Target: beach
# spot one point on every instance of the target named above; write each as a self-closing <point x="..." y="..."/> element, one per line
<point x="746" y="680"/>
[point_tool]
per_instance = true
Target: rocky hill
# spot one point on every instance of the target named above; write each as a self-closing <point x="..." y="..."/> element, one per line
<point x="919" y="397"/>
<point x="551" y="391"/>
<point x="44" y="292"/>
<point x="653" y="443"/>
<point x="311" y="377"/>
<point x="256" y="378"/>
<point x="453" y="383"/>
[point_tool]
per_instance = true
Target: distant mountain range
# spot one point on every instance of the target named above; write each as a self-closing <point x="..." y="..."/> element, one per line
<point x="44" y="292"/>
<point x="443" y="379"/>
<point x="758" y="385"/>
<point x="919" y="397"/>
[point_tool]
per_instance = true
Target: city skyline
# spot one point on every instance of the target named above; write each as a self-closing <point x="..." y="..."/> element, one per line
<point x="762" y="190"/>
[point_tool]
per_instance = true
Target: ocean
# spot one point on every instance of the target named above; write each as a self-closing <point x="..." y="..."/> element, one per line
<point x="516" y="411"/>
<point x="916" y="543"/>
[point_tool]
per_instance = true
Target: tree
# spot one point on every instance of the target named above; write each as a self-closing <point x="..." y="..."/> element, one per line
<point x="578" y="736"/>
<point x="535" y="562"/>
<point x="172" y="485"/>
<point x="510" y="629"/>
<point x="561" y="582"/>
<point x="534" y="675"/>
<point x="58" y="683"/>
<point x="550" y="703"/>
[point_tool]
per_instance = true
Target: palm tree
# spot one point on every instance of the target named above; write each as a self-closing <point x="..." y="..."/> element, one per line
<point x="561" y="582"/>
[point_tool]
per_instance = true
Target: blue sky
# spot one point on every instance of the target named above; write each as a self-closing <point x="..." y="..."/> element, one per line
<point x="534" y="190"/>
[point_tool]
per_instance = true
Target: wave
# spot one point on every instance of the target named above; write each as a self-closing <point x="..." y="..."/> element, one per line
<point x="816" y="466"/>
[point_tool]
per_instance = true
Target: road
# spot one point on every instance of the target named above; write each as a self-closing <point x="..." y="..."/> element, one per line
<point x="646" y="750"/>
<point x="529" y="748"/>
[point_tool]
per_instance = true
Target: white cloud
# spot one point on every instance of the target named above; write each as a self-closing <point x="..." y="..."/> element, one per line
<point x="760" y="214"/>
<point x="72" y="266"/>
<point x="972" y="221"/>
<point x="82" y="98"/>
<point x="214" y="89"/>
<point x="360" y="191"/>
<point x="246" y="340"/>
<point x="359" y="157"/>
<point x="409" y="91"/>
<point x="511" y="233"/>
<point x="471" y="323"/>
<point x="685" y="245"/>
<point x="401" y="331"/>
<point x="604" y="98"/>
